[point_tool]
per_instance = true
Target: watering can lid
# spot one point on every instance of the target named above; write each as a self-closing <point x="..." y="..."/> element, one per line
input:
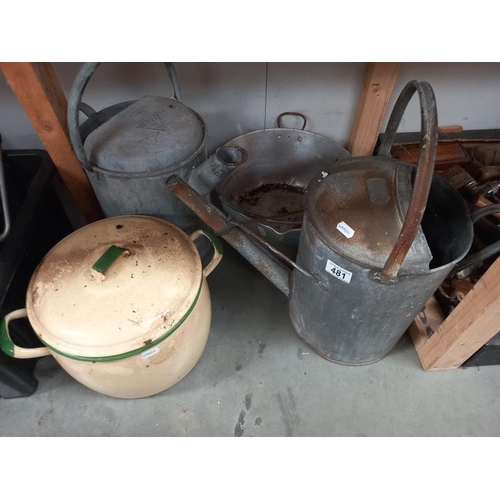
<point x="152" y="134"/>
<point x="358" y="209"/>
<point x="114" y="287"/>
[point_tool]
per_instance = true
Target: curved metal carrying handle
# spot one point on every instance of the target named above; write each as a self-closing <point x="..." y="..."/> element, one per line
<point x="425" y="167"/>
<point x="13" y="350"/>
<point x="291" y="113"/>
<point x="485" y="253"/>
<point x="75" y="105"/>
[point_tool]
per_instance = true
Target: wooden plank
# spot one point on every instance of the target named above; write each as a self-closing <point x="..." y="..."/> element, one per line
<point x="470" y="325"/>
<point x="378" y="85"/>
<point x="450" y="129"/>
<point x="426" y="323"/>
<point x="447" y="154"/>
<point x="38" y="90"/>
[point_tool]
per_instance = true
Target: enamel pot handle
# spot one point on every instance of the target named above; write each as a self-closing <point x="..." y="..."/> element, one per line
<point x="13" y="350"/>
<point x="218" y="249"/>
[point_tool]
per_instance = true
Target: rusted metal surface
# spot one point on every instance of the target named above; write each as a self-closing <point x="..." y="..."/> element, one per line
<point x="226" y="228"/>
<point x="368" y="196"/>
<point x="359" y="320"/>
<point x="275" y="156"/>
<point x="366" y="207"/>
<point x="240" y="238"/>
<point x="348" y="318"/>
<point x="425" y="167"/>
<point x="274" y="200"/>
<point x="360" y="217"/>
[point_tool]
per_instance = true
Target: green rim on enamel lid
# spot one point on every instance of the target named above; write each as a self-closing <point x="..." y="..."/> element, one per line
<point x="114" y="287"/>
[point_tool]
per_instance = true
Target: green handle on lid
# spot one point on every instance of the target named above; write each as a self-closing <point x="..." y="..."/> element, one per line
<point x="104" y="262"/>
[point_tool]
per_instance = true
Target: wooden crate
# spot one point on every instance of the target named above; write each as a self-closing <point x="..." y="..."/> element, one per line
<point x="446" y="343"/>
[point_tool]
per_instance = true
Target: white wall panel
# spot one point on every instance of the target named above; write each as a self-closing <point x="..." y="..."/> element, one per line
<point x="232" y="96"/>
<point x="467" y="94"/>
<point x="327" y="93"/>
<point x="229" y="96"/>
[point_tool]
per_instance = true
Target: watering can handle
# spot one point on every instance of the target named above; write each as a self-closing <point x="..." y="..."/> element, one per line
<point x="485" y="253"/>
<point x="425" y="168"/>
<point x="75" y="105"/>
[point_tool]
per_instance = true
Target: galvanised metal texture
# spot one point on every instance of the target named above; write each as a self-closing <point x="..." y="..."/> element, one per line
<point x="349" y="309"/>
<point x="277" y="156"/>
<point x="140" y="191"/>
<point x="144" y="194"/>
<point x="205" y="178"/>
<point x="359" y="208"/>
<point x="358" y="322"/>
<point x="425" y="167"/>
<point x="252" y="247"/>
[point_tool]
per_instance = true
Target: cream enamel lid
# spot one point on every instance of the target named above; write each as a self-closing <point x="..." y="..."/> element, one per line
<point x="150" y="286"/>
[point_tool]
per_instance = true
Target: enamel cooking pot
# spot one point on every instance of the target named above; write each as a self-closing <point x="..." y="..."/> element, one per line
<point x="122" y="304"/>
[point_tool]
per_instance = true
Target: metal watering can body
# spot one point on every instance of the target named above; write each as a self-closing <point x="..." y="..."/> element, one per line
<point x="129" y="149"/>
<point x="356" y="286"/>
<point x="361" y="317"/>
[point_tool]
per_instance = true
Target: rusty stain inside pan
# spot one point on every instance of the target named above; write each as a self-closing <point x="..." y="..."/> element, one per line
<point x="278" y="200"/>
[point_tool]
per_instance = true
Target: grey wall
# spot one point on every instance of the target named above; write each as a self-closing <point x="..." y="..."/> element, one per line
<point x="235" y="98"/>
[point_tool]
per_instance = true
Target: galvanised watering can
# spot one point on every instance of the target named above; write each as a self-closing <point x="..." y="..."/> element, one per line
<point x="378" y="238"/>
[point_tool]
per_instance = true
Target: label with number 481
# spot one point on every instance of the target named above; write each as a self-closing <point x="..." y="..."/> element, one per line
<point x="338" y="272"/>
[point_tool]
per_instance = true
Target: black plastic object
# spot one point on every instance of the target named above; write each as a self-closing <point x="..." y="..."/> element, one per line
<point x="488" y="355"/>
<point x="39" y="221"/>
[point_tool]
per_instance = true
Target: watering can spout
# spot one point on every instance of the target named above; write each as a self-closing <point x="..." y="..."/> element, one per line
<point x="205" y="178"/>
<point x="270" y="262"/>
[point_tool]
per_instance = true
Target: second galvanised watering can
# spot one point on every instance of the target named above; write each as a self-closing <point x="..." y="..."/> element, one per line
<point x="378" y="238"/>
<point x="130" y="149"/>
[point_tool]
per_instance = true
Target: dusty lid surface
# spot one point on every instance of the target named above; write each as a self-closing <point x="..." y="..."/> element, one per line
<point x="152" y="134"/>
<point x="358" y="209"/>
<point x="86" y="300"/>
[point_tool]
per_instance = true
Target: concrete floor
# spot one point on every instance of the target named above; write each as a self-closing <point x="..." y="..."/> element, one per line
<point x="256" y="378"/>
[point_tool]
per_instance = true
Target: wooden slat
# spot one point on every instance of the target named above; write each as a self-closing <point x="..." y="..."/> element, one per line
<point x="447" y="154"/>
<point x="470" y="325"/>
<point x="38" y="90"/>
<point x="426" y="323"/>
<point x="378" y="85"/>
<point x="451" y="129"/>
